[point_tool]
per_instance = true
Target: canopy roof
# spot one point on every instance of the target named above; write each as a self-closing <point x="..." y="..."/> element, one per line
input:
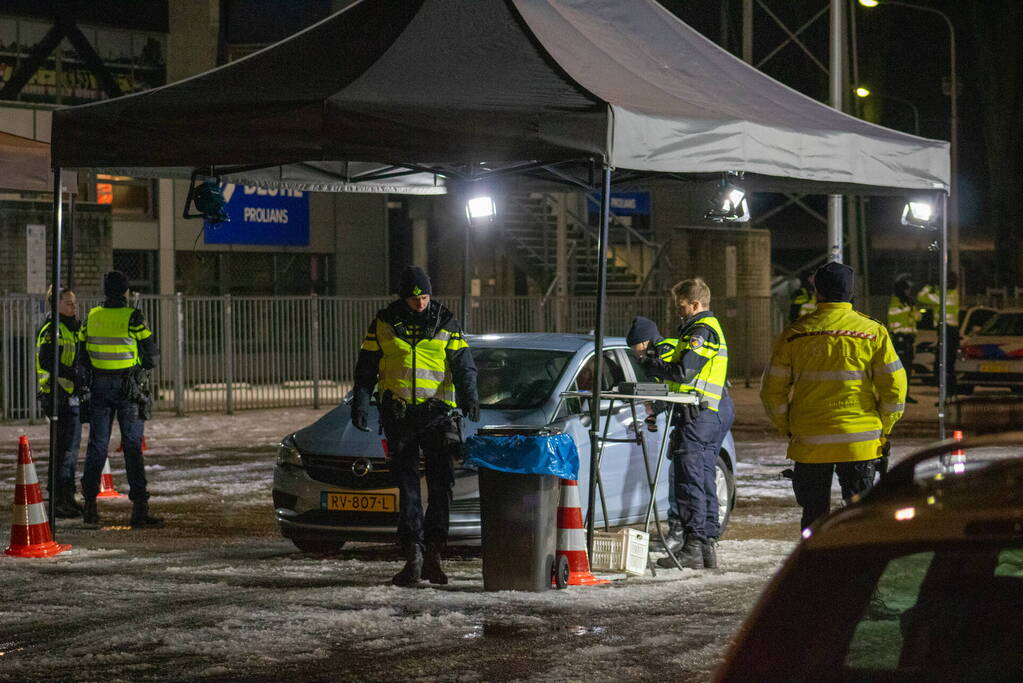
<point x="463" y="88"/>
<point x="25" y="166"/>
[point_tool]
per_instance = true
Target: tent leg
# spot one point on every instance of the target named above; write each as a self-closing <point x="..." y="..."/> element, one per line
<point x="942" y="322"/>
<point x="70" y="240"/>
<point x="598" y="356"/>
<point x="55" y="237"/>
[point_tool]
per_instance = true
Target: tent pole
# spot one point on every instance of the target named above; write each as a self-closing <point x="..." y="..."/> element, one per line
<point x="55" y="358"/>
<point x="71" y="240"/>
<point x="598" y="356"/>
<point x="942" y="322"/>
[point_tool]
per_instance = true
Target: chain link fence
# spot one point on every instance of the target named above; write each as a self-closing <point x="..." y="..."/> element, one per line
<point x="227" y="353"/>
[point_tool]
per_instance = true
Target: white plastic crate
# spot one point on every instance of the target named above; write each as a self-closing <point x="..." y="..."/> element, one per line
<point x="623" y="550"/>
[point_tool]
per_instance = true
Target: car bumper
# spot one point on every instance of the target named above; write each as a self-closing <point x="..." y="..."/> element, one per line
<point x="299" y="514"/>
<point x="990" y="373"/>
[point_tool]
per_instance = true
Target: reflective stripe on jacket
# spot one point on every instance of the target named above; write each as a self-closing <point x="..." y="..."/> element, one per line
<point x="930" y="296"/>
<point x="414" y="372"/>
<point x="710" y="381"/>
<point x="68" y="342"/>
<point x="835" y="385"/>
<point x="110" y="340"/>
<point x="902" y="317"/>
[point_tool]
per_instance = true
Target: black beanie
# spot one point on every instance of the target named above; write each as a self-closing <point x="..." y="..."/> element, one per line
<point x="414" y="282"/>
<point x="115" y="283"/>
<point x="834" y="282"/>
<point x="642" y="329"/>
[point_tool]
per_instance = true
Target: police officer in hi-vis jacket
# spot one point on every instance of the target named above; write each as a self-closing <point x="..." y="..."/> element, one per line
<point x="416" y="356"/>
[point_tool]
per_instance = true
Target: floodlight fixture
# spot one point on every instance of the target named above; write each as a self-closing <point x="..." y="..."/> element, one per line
<point x="480" y="208"/>
<point x="920" y="213"/>
<point x="729" y="205"/>
<point x="207" y="198"/>
<point x="862" y="92"/>
<point x="869" y="3"/>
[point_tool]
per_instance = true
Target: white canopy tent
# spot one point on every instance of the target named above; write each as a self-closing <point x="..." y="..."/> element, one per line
<point x="479" y="90"/>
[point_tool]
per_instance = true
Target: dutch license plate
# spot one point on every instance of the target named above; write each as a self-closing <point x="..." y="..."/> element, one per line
<point x="999" y="366"/>
<point x="359" y="501"/>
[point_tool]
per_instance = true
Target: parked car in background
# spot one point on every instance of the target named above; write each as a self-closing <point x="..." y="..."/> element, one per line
<point x="941" y="546"/>
<point x="332" y="483"/>
<point x="993" y="355"/>
<point x="925" y="353"/>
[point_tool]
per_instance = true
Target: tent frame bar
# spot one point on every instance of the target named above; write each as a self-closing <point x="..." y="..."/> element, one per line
<point x="55" y="389"/>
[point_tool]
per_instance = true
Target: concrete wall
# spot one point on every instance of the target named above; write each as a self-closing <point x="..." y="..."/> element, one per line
<point x="93" y="240"/>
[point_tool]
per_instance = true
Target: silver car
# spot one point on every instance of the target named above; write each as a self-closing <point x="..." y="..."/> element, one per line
<point x="332" y="483"/>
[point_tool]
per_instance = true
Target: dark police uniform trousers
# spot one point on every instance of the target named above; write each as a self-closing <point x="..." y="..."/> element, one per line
<point x="425" y="429"/>
<point x="109" y="400"/>
<point x="695" y="446"/>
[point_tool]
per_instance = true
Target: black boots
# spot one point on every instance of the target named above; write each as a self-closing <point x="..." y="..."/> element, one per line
<point x="432" y="571"/>
<point x="690" y="556"/>
<point x="90" y="516"/>
<point x="413" y="569"/>
<point x="675" y="537"/>
<point x="710" y="553"/>
<point x="140" y="517"/>
<point x="64" y="505"/>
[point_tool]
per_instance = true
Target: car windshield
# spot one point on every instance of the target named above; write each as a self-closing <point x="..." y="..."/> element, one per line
<point x="1003" y="325"/>
<point x="517" y="378"/>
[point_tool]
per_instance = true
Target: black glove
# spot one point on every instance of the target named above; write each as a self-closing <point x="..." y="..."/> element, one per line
<point x="886" y="448"/>
<point x="651" y="423"/>
<point x="472" y="411"/>
<point x="360" y="420"/>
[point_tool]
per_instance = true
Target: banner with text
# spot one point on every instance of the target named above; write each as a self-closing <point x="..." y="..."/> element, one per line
<point x="262" y="216"/>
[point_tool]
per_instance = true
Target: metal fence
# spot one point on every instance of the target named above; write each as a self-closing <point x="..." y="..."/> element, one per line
<point x="230" y="353"/>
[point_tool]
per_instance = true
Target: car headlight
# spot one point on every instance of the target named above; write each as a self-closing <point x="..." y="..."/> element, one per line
<point x="287" y="454"/>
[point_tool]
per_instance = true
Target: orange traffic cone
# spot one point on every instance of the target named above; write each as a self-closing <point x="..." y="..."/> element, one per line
<point x="957" y="458"/>
<point x="572" y="537"/>
<point x="145" y="446"/>
<point x="106" y="483"/>
<point x="30" y="530"/>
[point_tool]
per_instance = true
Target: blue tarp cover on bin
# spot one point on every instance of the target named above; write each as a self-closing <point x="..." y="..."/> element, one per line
<point x="555" y="455"/>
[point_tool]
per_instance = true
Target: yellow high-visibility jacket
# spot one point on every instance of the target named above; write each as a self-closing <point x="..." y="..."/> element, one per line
<point x="835" y="385"/>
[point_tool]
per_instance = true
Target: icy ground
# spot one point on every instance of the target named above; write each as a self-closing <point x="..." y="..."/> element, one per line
<point x="219" y="595"/>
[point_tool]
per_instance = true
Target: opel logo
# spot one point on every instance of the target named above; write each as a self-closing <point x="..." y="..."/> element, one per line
<point x="362" y="467"/>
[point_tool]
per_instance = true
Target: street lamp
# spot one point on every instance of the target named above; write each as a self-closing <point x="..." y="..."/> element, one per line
<point x="480" y="208"/>
<point x="953" y="123"/>
<point x="864" y="93"/>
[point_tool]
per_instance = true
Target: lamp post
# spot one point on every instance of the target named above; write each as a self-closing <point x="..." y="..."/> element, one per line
<point x="953" y="125"/>
<point x="864" y="93"/>
<point x="479" y="208"/>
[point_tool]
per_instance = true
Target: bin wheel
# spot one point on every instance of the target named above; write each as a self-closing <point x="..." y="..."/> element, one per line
<point x="561" y="572"/>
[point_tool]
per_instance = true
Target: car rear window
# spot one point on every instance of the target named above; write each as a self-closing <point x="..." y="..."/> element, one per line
<point x="517" y="378"/>
<point x="1003" y="325"/>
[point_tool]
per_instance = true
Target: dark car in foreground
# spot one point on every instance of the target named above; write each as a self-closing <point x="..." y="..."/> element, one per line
<point x="940" y="545"/>
<point x="333" y="485"/>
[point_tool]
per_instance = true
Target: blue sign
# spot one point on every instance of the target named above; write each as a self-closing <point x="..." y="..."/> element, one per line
<point x="624" y="203"/>
<point x="261" y="216"/>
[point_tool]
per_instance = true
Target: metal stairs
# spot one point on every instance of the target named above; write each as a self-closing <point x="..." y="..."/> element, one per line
<point x="529" y="222"/>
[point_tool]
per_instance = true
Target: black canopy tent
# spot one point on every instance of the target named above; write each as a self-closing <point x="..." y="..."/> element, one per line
<point x="582" y="93"/>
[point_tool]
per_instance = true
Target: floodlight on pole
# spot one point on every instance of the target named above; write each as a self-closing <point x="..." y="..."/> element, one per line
<point x="920" y="213"/>
<point x="729" y="205"/>
<point x="480" y="208"/>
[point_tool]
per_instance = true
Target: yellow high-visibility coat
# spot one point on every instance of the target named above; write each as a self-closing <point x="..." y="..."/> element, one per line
<point x="835" y="385"/>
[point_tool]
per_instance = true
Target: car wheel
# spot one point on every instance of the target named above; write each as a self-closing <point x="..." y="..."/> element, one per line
<point x="724" y="481"/>
<point x="318" y="546"/>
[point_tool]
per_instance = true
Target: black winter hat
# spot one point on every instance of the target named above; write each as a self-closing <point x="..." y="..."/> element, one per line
<point x="834" y="282"/>
<point x="414" y="282"/>
<point x="642" y="329"/>
<point x="115" y="283"/>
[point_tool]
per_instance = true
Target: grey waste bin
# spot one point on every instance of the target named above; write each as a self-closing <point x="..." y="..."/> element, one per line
<point x="519" y="514"/>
